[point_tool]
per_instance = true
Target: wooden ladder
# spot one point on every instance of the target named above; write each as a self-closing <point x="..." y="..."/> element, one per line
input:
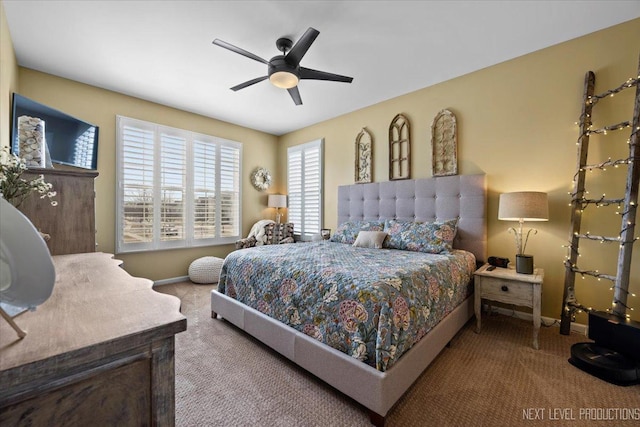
<point x="580" y="201"/>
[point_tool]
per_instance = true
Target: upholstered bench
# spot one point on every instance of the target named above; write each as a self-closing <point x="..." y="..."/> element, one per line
<point x="205" y="270"/>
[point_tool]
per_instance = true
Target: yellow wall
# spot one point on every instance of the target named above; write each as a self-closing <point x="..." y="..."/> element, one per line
<point x="516" y="125"/>
<point x="8" y="78"/>
<point x="100" y="107"/>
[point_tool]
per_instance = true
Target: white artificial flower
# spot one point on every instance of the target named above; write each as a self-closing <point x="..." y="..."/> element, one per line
<point x="16" y="189"/>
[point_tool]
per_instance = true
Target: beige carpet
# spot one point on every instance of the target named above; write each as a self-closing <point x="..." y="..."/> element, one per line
<point x="226" y="378"/>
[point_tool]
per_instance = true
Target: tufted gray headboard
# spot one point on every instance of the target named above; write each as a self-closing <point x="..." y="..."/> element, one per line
<point x="427" y="199"/>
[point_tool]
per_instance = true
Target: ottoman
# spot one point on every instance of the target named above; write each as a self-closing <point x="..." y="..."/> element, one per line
<point x="205" y="270"/>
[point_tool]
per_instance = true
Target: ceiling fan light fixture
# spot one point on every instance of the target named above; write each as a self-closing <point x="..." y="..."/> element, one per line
<point x="284" y="71"/>
<point x="283" y="79"/>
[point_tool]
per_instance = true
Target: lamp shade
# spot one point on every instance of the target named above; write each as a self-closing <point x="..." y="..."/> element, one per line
<point x="283" y="79"/>
<point x="524" y="206"/>
<point x="277" y="201"/>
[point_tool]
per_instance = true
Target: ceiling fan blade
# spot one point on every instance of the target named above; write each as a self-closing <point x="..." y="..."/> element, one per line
<point x="242" y="52"/>
<point x="249" y="83"/>
<point x="295" y="94"/>
<point x="302" y="45"/>
<point x="307" y="73"/>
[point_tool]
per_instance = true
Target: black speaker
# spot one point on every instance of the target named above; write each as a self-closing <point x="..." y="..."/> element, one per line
<point x="524" y="264"/>
<point x="621" y="335"/>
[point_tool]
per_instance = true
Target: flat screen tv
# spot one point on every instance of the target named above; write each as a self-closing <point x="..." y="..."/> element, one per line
<point x="42" y="136"/>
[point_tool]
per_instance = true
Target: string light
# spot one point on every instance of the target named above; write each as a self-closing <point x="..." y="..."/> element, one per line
<point x="593" y="273"/>
<point x="581" y="201"/>
<point x="604" y="130"/>
<point x="601" y="239"/>
<point x="579" y="307"/>
<point x="603" y="166"/>
<point x="602" y="201"/>
<point x="592" y="100"/>
<point x="623" y="290"/>
<point x="616" y="302"/>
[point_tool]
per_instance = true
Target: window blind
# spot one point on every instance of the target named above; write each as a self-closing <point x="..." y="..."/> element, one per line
<point x="304" y="181"/>
<point x="229" y="192"/>
<point x="204" y="190"/>
<point x="175" y="188"/>
<point x="172" y="187"/>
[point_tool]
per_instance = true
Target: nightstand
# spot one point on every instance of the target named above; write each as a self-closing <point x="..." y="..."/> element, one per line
<point x="506" y="286"/>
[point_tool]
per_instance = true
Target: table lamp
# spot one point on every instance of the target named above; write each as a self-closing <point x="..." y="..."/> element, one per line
<point x="523" y="206"/>
<point x="277" y="201"/>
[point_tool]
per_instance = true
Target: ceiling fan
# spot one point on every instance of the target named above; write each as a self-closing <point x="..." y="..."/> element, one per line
<point x="284" y="71"/>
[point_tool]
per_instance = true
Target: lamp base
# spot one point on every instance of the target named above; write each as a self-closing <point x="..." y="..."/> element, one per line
<point x="524" y="264"/>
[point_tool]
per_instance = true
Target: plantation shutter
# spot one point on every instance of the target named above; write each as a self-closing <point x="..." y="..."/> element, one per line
<point x="304" y="178"/>
<point x="204" y="189"/>
<point x="294" y="179"/>
<point x="172" y="187"/>
<point x="175" y="188"/>
<point x="312" y="194"/>
<point x="229" y="191"/>
<point x="136" y="212"/>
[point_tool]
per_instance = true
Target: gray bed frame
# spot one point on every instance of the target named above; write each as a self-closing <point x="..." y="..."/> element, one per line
<point x="428" y="199"/>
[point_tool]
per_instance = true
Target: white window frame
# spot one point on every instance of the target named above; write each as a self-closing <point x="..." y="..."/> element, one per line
<point x="189" y="239"/>
<point x="301" y="228"/>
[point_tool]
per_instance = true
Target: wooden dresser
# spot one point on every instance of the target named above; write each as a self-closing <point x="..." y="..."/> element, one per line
<point x="71" y="224"/>
<point x="99" y="352"/>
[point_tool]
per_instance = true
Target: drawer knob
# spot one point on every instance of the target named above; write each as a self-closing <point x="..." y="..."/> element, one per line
<point x="504" y="288"/>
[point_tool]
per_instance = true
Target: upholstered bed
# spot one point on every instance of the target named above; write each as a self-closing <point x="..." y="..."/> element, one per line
<point x="374" y="367"/>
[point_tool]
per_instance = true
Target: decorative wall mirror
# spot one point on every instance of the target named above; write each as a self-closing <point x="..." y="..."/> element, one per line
<point x="399" y="148"/>
<point x="444" y="142"/>
<point x="364" y="157"/>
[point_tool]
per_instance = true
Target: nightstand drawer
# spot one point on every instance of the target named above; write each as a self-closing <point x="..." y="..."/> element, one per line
<point x="517" y="293"/>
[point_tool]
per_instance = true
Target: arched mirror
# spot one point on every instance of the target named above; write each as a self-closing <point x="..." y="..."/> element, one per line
<point x="399" y="148"/>
<point x="364" y="157"/>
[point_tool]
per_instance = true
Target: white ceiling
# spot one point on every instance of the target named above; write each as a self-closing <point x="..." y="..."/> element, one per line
<point x="162" y="51"/>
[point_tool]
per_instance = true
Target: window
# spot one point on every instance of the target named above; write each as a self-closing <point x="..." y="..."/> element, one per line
<point x="175" y="188"/>
<point x="304" y="177"/>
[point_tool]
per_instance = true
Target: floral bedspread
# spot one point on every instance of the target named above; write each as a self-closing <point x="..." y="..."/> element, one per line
<point x="372" y="304"/>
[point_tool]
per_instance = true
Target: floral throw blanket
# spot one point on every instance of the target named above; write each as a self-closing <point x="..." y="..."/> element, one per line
<point x="372" y="304"/>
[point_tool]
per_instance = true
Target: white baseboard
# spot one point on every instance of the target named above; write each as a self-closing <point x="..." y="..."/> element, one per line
<point x="575" y="327"/>
<point x="170" y="280"/>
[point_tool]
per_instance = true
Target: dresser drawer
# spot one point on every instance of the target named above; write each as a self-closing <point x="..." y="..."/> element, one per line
<point x="518" y="293"/>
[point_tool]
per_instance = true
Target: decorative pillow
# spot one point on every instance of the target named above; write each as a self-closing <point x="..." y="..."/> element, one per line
<point x="429" y="237"/>
<point x="275" y="233"/>
<point x="347" y="231"/>
<point x="248" y="242"/>
<point x="370" y="239"/>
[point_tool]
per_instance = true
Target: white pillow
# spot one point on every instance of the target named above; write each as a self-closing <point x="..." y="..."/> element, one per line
<point x="370" y="239"/>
